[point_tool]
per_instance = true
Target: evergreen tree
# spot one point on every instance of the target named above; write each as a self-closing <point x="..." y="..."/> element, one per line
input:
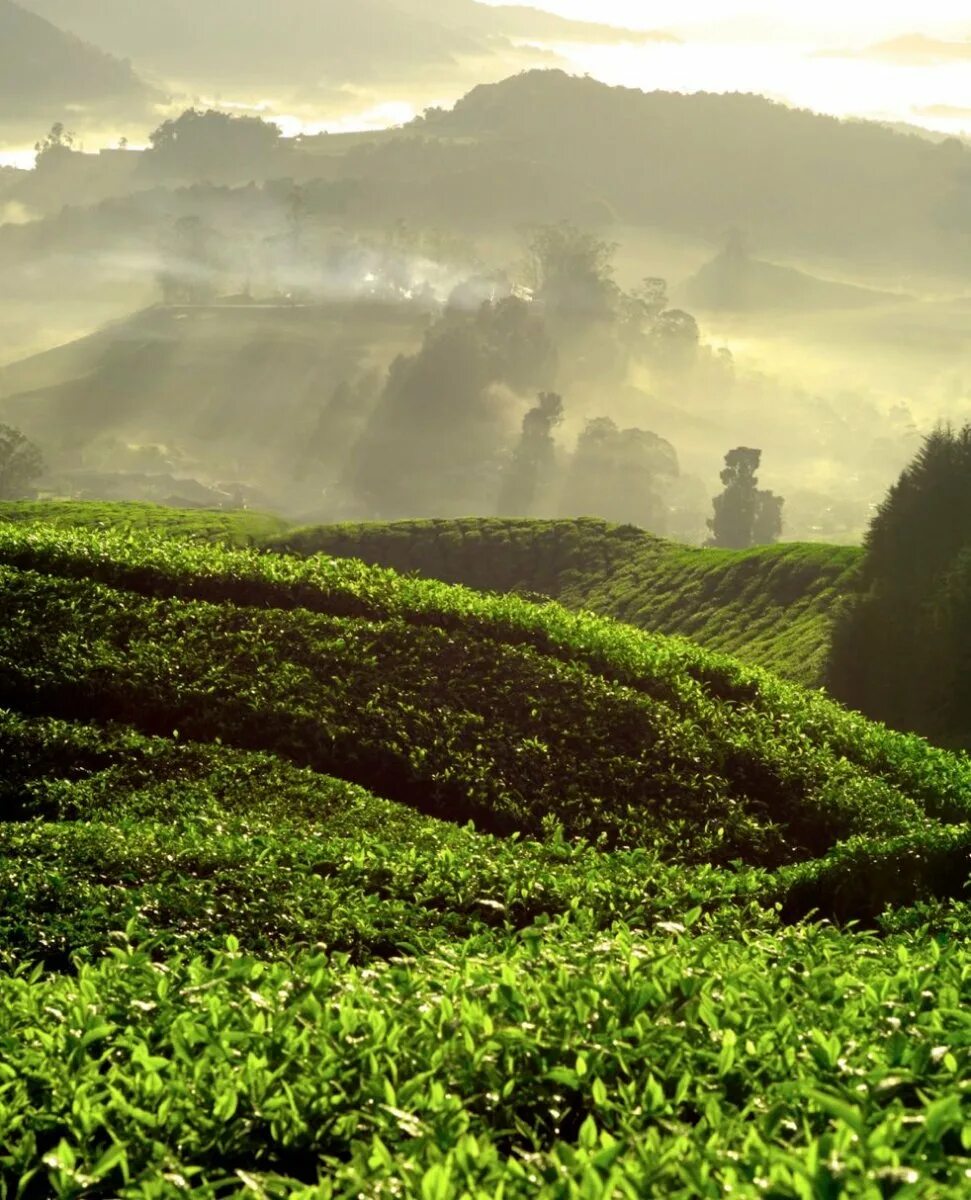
<point x="901" y="646"/>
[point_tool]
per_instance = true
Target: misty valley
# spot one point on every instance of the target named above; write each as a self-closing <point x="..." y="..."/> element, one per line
<point x="485" y="592"/>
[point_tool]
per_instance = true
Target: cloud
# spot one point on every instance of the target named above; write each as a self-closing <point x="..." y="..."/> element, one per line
<point x="945" y="112"/>
<point x="910" y="50"/>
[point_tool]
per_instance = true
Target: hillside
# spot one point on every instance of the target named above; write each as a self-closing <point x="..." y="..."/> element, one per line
<point x="729" y="162"/>
<point x="309" y="41"/>
<point x="211" y="393"/>
<point x="245" y="916"/>
<point x="733" y="281"/>
<point x="44" y="70"/>
<point x="770" y="606"/>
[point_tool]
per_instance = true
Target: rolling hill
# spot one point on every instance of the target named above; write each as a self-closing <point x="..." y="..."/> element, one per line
<point x="43" y="70"/>
<point x="249" y="935"/>
<point x="770" y="606"/>
<point x="226" y="392"/>
<point x="734" y="281"/>
<point x="309" y="41"/>
<point x="700" y="165"/>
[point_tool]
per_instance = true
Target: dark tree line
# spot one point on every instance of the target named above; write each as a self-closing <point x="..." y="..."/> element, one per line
<point x="901" y="649"/>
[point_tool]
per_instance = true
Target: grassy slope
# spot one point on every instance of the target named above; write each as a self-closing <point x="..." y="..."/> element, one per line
<point x="236" y="527"/>
<point x="770" y="606"/>
<point x="434" y="1011"/>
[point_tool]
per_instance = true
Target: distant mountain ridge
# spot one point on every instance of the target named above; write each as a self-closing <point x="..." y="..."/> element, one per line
<point x="43" y="67"/>
<point x="309" y="41"/>
<point x="703" y="164"/>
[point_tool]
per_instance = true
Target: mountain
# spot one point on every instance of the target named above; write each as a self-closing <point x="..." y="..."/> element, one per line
<point x="43" y="69"/>
<point x="794" y="181"/>
<point x="515" y="21"/>
<point x="307" y="41"/>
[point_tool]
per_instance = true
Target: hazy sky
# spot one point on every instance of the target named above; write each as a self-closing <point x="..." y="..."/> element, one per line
<point x="827" y="55"/>
<point x="828" y="21"/>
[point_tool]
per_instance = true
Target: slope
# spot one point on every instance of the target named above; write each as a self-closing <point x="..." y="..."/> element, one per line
<point x="230" y="392"/>
<point x="735" y="282"/>
<point x="702" y="164"/>
<point x="307" y="40"/>
<point x="43" y="70"/>
<point x="770" y="606"/>
<point x="222" y="967"/>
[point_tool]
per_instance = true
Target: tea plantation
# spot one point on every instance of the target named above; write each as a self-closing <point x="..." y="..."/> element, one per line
<point x="772" y="606"/>
<point x="319" y="880"/>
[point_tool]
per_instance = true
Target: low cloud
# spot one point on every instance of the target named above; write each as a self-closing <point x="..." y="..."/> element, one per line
<point x="910" y="50"/>
<point x="944" y="112"/>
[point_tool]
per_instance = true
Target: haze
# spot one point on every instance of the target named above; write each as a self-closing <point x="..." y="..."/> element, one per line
<point x="406" y="260"/>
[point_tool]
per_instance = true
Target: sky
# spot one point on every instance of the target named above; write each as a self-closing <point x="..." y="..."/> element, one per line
<point x="829" y="55"/>
<point x="888" y="60"/>
<point x="826" y="21"/>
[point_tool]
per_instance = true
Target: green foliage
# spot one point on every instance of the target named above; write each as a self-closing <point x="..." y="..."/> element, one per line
<point x="561" y="1066"/>
<point x="900" y="649"/>
<point x="771" y="606"/>
<point x="452" y="702"/>
<point x="236" y="527"/>
<point x="224" y="970"/>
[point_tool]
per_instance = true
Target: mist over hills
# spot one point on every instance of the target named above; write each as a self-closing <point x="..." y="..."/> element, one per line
<point x="308" y="41"/>
<point x="736" y="281"/>
<point x="704" y="164"/>
<point x="43" y="69"/>
<point x="438" y="781"/>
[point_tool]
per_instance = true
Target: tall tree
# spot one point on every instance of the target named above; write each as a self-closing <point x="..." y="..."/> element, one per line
<point x="437" y="439"/>
<point x="620" y="475"/>
<point x="901" y="646"/>
<point x="571" y="274"/>
<point x="533" y="460"/>
<point x="744" y="515"/>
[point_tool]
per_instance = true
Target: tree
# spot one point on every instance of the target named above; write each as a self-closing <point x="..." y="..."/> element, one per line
<point x="675" y="338"/>
<point x="744" y="515"/>
<point x="571" y="274"/>
<point x="20" y="464"/>
<point x="213" y="145"/>
<point x="620" y="475"/>
<point x="59" y="139"/>
<point x="438" y="437"/>
<point x="55" y="150"/>
<point x="901" y="645"/>
<point x="534" y="459"/>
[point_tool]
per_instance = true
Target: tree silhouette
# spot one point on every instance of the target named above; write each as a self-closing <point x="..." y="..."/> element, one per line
<point x="744" y="515"/>
<point x="901" y="646"/>
<point x="534" y="458"/>
<point x="20" y="463"/>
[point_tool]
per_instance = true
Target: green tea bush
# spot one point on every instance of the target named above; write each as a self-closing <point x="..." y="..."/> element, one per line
<point x="455" y="703"/>
<point x="771" y="606"/>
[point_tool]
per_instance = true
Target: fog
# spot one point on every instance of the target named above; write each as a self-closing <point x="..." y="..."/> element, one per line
<point x="458" y="285"/>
